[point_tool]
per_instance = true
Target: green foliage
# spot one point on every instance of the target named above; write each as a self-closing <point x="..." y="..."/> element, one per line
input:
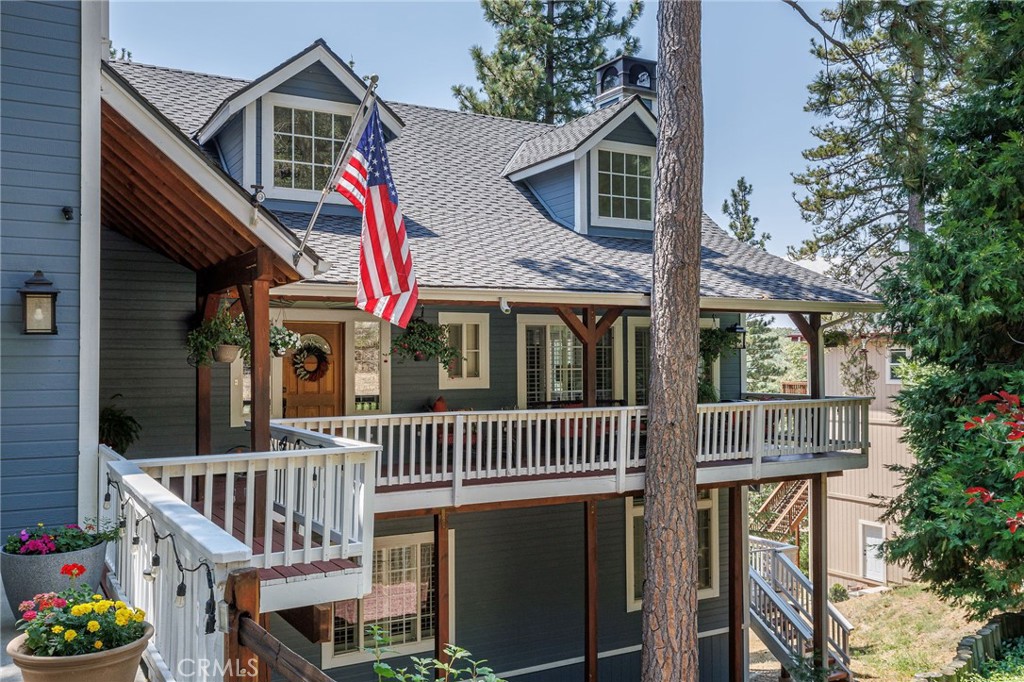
<point x="117" y="428"/>
<point x="713" y="342"/>
<point x="1009" y="668"/>
<point x="794" y="354"/>
<point x="970" y="561"/>
<point x="856" y="373"/>
<point x="764" y="348"/>
<point x="741" y="223"/>
<point x="542" y="65"/>
<point x="459" y="665"/>
<point x="838" y="593"/>
<point x="423" y="340"/>
<point x="221" y="329"/>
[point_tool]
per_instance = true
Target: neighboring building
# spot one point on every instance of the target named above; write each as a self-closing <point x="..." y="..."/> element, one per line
<point x="856" y="500"/>
<point x="512" y="523"/>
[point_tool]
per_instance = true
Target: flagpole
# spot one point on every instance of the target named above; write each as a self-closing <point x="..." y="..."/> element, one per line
<point x="346" y="151"/>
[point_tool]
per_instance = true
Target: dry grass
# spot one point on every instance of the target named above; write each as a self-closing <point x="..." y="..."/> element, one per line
<point x="902" y="632"/>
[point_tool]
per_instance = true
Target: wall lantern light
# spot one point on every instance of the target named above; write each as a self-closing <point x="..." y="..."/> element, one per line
<point x="742" y="331"/>
<point x="39" y="305"/>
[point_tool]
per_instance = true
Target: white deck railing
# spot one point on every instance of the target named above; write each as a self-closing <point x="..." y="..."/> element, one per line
<point x="181" y="648"/>
<point x="452" y="448"/>
<point x="317" y="489"/>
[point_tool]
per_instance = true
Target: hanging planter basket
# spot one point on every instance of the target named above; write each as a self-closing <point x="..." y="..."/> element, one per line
<point x="226" y="352"/>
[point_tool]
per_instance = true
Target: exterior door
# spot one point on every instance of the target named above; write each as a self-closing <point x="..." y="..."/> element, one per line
<point x="325" y="396"/>
<point x="874" y="564"/>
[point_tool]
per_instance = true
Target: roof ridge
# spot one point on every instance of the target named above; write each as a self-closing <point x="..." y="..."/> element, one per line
<point x="184" y="71"/>
<point x="550" y="126"/>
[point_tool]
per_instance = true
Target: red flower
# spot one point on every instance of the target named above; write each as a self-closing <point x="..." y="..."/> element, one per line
<point x="72" y="570"/>
<point x="28" y="615"/>
<point x="1019" y="474"/>
<point x="983" y="494"/>
<point x="1015" y="522"/>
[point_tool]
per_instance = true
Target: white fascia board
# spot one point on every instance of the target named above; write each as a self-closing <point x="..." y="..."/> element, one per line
<point x="551" y="163"/>
<point x="186" y="156"/>
<point x="317" y="54"/>
<point x="747" y="305"/>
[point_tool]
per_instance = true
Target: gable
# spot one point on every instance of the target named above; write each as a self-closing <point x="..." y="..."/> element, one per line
<point x="317" y="82"/>
<point x="632" y="131"/>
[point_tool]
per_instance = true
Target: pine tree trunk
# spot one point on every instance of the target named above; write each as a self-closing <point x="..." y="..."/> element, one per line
<point x="918" y="150"/>
<point x="549" y="68"/>
<point x="670" y="505"/>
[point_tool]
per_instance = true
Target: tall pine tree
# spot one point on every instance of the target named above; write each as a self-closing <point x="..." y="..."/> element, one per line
<point x="542" y="65"/>
<point x="741" y="223"/>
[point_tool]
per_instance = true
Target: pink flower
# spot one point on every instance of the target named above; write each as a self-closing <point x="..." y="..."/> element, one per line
<point x="29" y="615"/>
<point x="59" y="602"/>
<point x="26" y="605"/>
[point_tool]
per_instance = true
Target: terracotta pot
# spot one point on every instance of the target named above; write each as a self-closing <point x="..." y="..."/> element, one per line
<point x="26" y="575"/>
<point x="116" y="665"/>
<point x="225" y="352"/>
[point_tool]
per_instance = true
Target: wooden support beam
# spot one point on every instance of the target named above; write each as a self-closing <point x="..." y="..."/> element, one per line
<point x="575" y="325"/>
<point x="607" y="320"/>
<point x="207" y="306"/>
<point x="442" y="571"/>
<point x="810" y="328"/>
<point x="259" y="335"/>
<point x="736" y="582"/>
<point x="314" y="622"/>
<point x="276" y="657"/>
<point x="256" y="264"/>
<point x="819" y="569"/>
<point x="590" y="620"/>
<point x="590" y="358"/>
<point x="242" y="594"/>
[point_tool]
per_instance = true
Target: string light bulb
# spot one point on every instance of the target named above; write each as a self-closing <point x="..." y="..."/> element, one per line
<point x="179" y="597"/>
<point x="148" y="576"/>
<point x="154" y="566"/>
<point x="106" y="501"/>
<point x="136" y="543"/>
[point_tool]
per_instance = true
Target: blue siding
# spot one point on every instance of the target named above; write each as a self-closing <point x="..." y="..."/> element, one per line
<point x="230" y="140"/>
<point x="259" y="142"/>
<point x="633" y="131"/>
<point x="555" y="190"/>
<point x="317" y="82"/>
<point x="621" y="232"/>
<point x="40" y="146"/>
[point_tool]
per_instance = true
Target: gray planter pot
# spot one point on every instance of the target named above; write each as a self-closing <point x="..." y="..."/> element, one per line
<point x="26" y="575"/>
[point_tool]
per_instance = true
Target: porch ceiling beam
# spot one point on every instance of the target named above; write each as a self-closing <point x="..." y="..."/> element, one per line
<point x="574" y="323"/>
<point x="802" y="325"/>
<point x="607" y="320"/>
<point x="583" y="330"/>
<point x="245" y="268"/>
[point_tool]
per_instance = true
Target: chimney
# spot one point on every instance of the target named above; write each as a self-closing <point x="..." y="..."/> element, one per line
<point x="624" y="77"/>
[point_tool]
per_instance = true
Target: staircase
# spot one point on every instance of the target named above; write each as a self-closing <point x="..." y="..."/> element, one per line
<point x="780" y="612"/>
<point x="785" y="508"/>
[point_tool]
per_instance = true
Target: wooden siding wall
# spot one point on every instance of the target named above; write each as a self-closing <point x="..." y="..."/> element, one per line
<point x="850" y="495"/>
<point x="554" y="189"/>
<point x="632" y="131"/>
<point x="318" y="83"/>
<point x="40" y="143"/>
<point x="519" y="594"/>
<point x="232" y="148"/>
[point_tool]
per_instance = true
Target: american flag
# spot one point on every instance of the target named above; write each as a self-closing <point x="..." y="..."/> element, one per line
<point x="387" y="282"/>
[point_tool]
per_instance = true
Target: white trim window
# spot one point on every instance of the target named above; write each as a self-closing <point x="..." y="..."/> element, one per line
<point x="894" y="357"/>
<point x="470" y="334"/>
<point x="638" y="360"/>
<point x="301" y="139"/>
<point x="403" y="602"/>
<point x="622" y="177"/>
<point x="707" y="548"/>
<point x="551" y="363"/>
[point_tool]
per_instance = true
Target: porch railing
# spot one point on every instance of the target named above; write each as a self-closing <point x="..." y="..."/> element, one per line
<point x="181" y="646"/>
<point x="452" y="448"/>
<point x="318" y="489"/>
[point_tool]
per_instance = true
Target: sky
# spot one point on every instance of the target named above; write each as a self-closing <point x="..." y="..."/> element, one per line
<point x="756" y="67"/>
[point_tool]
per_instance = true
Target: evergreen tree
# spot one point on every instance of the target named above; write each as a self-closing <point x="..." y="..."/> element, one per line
<point x="741" y="223"/>
<point x="888" y="69"/>
<point x="542" y="65"/>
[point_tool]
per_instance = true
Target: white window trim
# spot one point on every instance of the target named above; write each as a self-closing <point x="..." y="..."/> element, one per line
<point x="889" y="365"/>
<point x="269" y="101"/>
<point x="632" y="324"/>
<point x="282" y="315"/>
<point x="527" y="320"/>
<point x="634" y="510"/>
<point x="597" y="220"/>
<point x="328" y="659"/>
<point x="483" y="320"/>
<point x="860" y="549"/>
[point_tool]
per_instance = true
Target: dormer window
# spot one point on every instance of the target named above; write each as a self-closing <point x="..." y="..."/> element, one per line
<point x="301" y="139"/>
<point x="623" y="194"/>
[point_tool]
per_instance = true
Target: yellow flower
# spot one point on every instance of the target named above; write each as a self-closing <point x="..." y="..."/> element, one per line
<point x="40" y="525"/>
<point x="122" y="617"/>
<point x="98" y="644"/>
<point x="81" y="609"/>
<point x="102" y="607"/>
<point x="57" y="629"/>
<point x="97" y="597"/>
<point x="139" y="615"/>
<point x="70" y="635"/>
<point x="93" y="626"/>
<point x="119" y="604"/>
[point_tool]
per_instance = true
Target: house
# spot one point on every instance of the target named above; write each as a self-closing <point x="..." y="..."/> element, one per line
<point x="510" y="523"/>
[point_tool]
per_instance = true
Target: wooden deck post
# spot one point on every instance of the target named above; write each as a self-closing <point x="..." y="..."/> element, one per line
<point x="207" y="305"/>
<point x="589" y="332"/>
<point x="736" y="583"/>
<point x="819" y="568"/>
<point x="810" y="328"/>
<point x="441" y="577"/>
<point x="242" y="594"/>
<point x="590" y="620"/>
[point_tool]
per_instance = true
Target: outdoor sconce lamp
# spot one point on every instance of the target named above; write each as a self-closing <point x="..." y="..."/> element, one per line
<point x="742" y="331"/>
<point x="69" y="213"/>
<point x="39" y="305"/>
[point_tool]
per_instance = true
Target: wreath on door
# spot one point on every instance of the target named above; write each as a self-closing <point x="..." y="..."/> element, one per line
<point x="310" y="362"/>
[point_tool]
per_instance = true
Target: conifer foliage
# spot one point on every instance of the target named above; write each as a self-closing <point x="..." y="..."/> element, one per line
<point x="541" y="68"/>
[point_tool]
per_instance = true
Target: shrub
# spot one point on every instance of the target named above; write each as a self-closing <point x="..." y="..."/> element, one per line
<point x="838" y="593"/>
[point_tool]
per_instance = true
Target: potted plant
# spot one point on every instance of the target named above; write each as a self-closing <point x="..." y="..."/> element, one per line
<point x="78" y="634"/>
<point x="32" y="557"/>
<point x="219" y="338"/>
<point x="423" y="340"/>
<point x="283" y="340"/>
<point x="118" y="429"/>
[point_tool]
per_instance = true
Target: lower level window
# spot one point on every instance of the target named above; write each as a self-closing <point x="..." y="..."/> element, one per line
<point x="402" y="603"/>
<point x="707" y="548"/>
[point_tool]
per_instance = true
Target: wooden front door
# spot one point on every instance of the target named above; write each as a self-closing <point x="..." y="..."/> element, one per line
<point x="324" y="397"/>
